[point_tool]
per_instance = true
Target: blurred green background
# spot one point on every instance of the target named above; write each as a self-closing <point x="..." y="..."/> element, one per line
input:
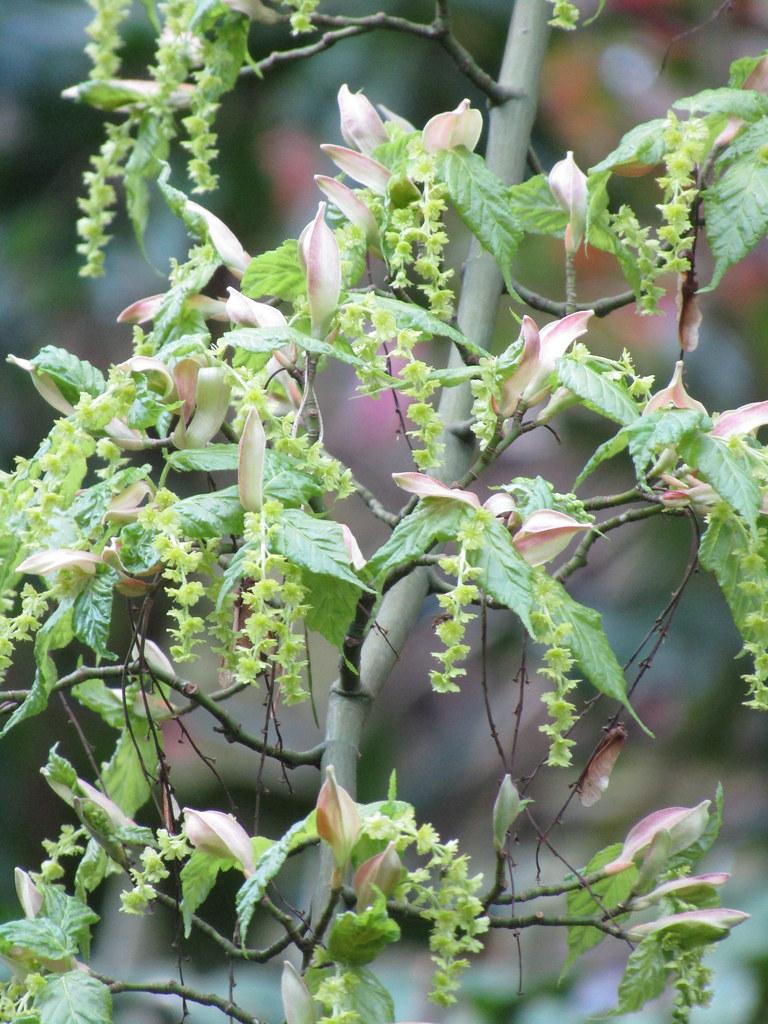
<point x="596" y="84"/>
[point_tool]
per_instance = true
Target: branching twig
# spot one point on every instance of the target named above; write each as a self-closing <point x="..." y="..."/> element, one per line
<point x="174" y="988"/>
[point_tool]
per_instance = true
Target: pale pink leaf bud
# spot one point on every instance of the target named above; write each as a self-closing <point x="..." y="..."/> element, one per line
<point x="361" y="168"/>
<point x="117" y="818"/>
<point x="361" y="126"/>
<point x="555" y="340"/>
<point x="322" y="266"/>
<point x="506" y="808"/>
<point x="185" y="378"/>
<point x="298" y="1006"/>
<point x="460" y="127"/>
<point x="125" y="437"/>
<point x="152" y="367"/>
<point x="546" y="533"/>
<point x="154" y="658"/>
<point x="692" y="889"/>
<point x="142" y="310"/>
<point x="46" y="562"/>
<point x="45" y="386"/>
<point x="401" y="122"/>
<point x="338" y="820"/>
<point x="250" y="466"/>
<point x="568" y="185"/>
<point x="354" y="209"/>
<point x="427" y="487"/>
<point x="212" y="391"/>
<point x="684" y="825"/>
<point x="526" y="368"/>
<point x="674" y="394"/>
<point x="356" y="557"/>
<point x="247" y="312"/>
<point x="125" y="506"/>
<point x="30" y="897"/>
<point x="382" y="872"/>
<point x="220" y="835"/>
<point x="233" y="255"/>
<point x="502" y="505"/>
<point x="692" y="927"/>
<point x="743" y="420"/>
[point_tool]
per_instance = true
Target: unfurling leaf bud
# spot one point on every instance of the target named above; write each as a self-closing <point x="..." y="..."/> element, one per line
<point x="359" y="167"/>
<point x="298" y="1006"/>
<point x="684" y="825"/>
<point x="250" y="466"/>
<point x="569" y="187"/>
<point x="546" y="533"/>
<point x="693" y="927"/>
<point x="221" y="835"/>
<point x="381" y="872"/>
<point x="361" y="126"/>
<point x="320" y="256"/>
<point x="247" y="312"/>
<point x="354" y="209"/>
<point x="30" y="897"/>
<point x="459" y="127"/>
<point x="211" y="403"/>
<point x="505" y="810"/>
<point x="232" y="254"/>
<point x="338" y="821"/>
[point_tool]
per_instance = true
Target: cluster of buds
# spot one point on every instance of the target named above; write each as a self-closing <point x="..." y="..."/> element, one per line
<point x="539" y="539"/>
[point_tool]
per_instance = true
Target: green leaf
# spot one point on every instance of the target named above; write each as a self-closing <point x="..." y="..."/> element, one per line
<point x="357" y="939"/>
<point x="610" y="891"/>
<point x="107" y="703"/>
<point x="650" y="434"/>
<point x="332" y="604"/>
<point x="692" y="854"/>
<point x="92" y="613"/>
<point x="138" y="553"/>
<point x="587" y="643"/>
<point x="267" y="339"/>
<point x="736" y="205"/>
<point x="727" y="470"/>
<point x="91" y="503"/>
<point x="314" y="544"/>
<point x="198" y="877"/>
<point x="39" y="937"/>
<point x="644" y="144"/>
<point x="73" y="916"/>
<point x="724" y="544"/>
<point x="149" y="149"/>
<point x="481" y="200"/>
<point x="747" y="104"/>
<point x="74" y="998"/>
<point x="410" y="316"/>
<point x="433" y="520"/>
<point x="216" y="458"/>
<point x="123" y="775"/>
<point x="644" y="976"/>
<point x="369" y="999"/>
<point x="267" y="866"/>
<point x="217" y="514"/>
<point x="277" y="272"/>
<point x="71" y="375"/>
<point x="504" y="576"/>
<point x="94" y="866"/>
<point x="534" y="209"/>
<point x="597" y="391"/>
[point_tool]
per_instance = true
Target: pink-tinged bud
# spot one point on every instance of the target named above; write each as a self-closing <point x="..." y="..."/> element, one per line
<point x="673" y="394"/>
<point x="502" y="506"/>
<point x="338" y="821"/>
<point x="381" y="872"/>
<point x="44" y="385"/>
<point x="46" y="562"/>
<point x="693" y="927"/>
<point x="555" y="339"/>
<point x="233" y="255"/>
<point x="743" y="420"/>
<point x="401" y="122"/>
<point x="117" y="818"/>
<point x="525" y="370"/>
<point x="506" y="808"/>
<point x="322" y="265"/>
<point x="361" y="126"/>
<point x="154" y="658"/>
<point x="212" y="393"/>
<point x="125" y="506"/>
<point x="568" y="185"/>
<point x="546" y="533"/>
<point x="692" y="889"/>
<point x="354" y="209"/>
<point x="684" y="825"/>
<point x="247" y="312"/>
<point x="427" y="487"/>
<point x="353" y="548"/>
<point x="142" y="310"/>
<point x="185" y="378"/>
<point x="125" y="437"/>
<point x="30" y="897"/>
<point x="298" y="1005"/>
<point x="152" y="368"/>
<point x="250" y="466"/>
<point x="460" y="127"/>
<point x="359" y="167"/>
<point x="597" y="774"/>
<point x="221" y="835"/>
